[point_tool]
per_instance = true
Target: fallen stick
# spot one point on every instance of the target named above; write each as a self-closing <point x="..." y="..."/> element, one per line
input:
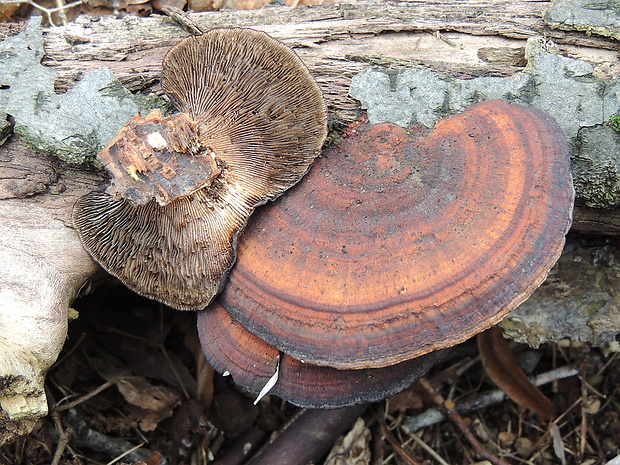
<point x="434" y="415"/>
<point x="308" y="437"/>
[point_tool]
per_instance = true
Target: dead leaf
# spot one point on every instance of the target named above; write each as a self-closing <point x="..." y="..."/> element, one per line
<point x="410" y="399"/>
<point x="7" y="10"/>
<point x="156" y="402"/>
<point x="205" y="5"/>
<point x="499" y="363"/>
<point x="159" y="4"/>
<point x="558" y="444"/>
<point x="307" y="2"/>
<point x="245" y="4"/>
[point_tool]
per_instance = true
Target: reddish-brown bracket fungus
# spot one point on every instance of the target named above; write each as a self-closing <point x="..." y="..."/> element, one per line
<point x="252" y="121"/>
<point x="397" y="245"/>
<point x="252" y="362"/>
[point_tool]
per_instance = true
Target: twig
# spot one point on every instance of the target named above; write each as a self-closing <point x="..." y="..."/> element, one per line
<point x="69" y="352"/>
<point x="397" y="447"/>
<point x="133" y="449"/>
<point x="183" y="19"/>
<point x="174" y="370"/>
<point x="458" y="421"/>
<point x="584" y="424"/>
<point x="434" y="415"/>
<point x="428" y="449"/>
<point x="93" y="440"/>
<point x="63" y="442"/>
<point x="85" y="397"/>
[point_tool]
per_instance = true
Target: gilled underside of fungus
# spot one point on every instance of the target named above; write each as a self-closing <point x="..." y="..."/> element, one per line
<point x="394" y="246"/>
<point x="252" y="121"/>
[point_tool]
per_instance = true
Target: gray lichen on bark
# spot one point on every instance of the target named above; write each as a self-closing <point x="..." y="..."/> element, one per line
<point x="562" y="87"/>
<point x="599" y="17"/>
<point x="75" y="125"/>
<point x="579" y="300"/>
<point x="596" y="166"/>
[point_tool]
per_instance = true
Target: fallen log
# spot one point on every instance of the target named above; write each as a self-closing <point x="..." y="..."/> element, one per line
<point x="41" y="260"/>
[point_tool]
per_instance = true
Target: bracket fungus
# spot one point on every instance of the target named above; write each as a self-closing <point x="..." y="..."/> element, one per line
<point x="400" y="244"/>
<point x="252" y="362"/>
<point x="252" y="122"/>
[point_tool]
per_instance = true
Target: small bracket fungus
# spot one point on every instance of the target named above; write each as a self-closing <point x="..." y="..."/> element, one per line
<point x="252" y="362"/>
<point x="402" y="244"/>
<point x="252" y="122"/>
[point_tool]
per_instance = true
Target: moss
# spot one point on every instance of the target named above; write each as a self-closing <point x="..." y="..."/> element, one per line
<point x="75" y="151"/>
<point x="614" y="122"/>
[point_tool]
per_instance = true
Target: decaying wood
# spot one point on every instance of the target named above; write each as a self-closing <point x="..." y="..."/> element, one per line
<point x="463" y="39"/>
<point x="43" y="266"/>
<point x="42" y="262"/>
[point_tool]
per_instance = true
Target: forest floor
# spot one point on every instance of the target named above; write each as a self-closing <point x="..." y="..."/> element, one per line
<point x="131" y="375"/>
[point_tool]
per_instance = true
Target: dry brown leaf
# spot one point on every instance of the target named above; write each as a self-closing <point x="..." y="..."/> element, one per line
<point x="205" y="5"/>
<point x="139" y="392"/>
<point x="97" y="3"/>
<point x="156" y="402"/>
<point x="410" y="399"/>
<point x="139" y="9"/>
<point x="307" y="2"/>
<point x="501" y="366"/>
<point x="7" y="10"/>
<point x="98" y="10"/>
<point x="159" y="4"/>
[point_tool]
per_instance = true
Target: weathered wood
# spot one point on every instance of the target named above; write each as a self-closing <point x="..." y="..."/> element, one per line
<point x="467" y="38"/>
<point x="463" y="39"/>
<point x="42" y="265"/>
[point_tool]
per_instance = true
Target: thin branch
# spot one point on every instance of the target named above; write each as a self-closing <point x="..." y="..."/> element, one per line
<point x="458" y="421"/>
<point x="434" y="415"/>
<point x="85" y="397"/>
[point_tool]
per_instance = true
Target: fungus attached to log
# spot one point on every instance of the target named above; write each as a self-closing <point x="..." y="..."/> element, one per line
<point x="253" y="120"/>
<point x="252" y="362"/>
<point x="397" y="244"/>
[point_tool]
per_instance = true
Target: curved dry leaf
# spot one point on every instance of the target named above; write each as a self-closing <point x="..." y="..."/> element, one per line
<point x="501" y="366"/>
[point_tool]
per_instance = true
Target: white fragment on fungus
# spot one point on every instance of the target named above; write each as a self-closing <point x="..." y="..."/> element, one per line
<point x="270" y="383"/>
<point x="156" y="140"/>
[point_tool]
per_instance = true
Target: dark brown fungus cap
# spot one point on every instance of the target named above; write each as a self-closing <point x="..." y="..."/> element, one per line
<point x="396" y="245"/>
<point x="251" y="362"/>
<point x="253" y="120"/>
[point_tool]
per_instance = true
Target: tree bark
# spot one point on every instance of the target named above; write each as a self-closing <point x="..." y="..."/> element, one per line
<point x="465" y="39"/>
<point x="42" y="262"/>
